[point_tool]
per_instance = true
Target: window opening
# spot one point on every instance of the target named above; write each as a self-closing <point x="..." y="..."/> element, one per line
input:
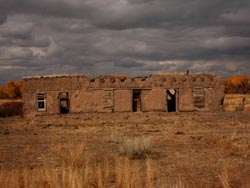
<point x="41" y="101"/>
<point x="171" y="100"/>
<point x="64" y="102"/>
<point x="136" y="100"/>
<point x="198" y="97"/>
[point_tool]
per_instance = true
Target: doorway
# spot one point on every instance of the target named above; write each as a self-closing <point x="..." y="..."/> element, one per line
<point x="63" y="102"/>
<point x="136" y="100"/>
<point x="171" y="100"/>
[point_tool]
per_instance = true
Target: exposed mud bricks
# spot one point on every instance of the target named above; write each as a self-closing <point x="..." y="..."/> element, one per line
<point x="247" y="103"/>
<point x="233" y="102"/>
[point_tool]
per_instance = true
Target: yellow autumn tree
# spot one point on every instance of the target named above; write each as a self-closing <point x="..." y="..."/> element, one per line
<point x="3" y="95"/>
<point x="10" y="89"/>
<point x="237" y="84"/>
<point x="19" y="88"/>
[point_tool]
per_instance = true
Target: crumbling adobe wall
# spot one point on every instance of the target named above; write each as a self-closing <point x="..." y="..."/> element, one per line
<point x="233" y="102"/>
<point x="51" y="86"/>
<point x="185" y="99"/>
<point x="214" y="93"/>
<point x="90" y="94"/>
<point x="247" y="103"/>
<point x="123" y="100"/>
<point x="52" y="102"/>
<point x="119" y="82"/>
<point x="154" y="100"/>
<point x="236" y="103"/>
<point x="86" y="100"/>
<point x="213" y="86"/>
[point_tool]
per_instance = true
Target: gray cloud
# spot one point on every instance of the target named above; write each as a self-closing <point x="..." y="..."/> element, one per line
<point x="3" y="18"/>
<point x="134" y="37"/>
<point x="128" y="63"/>
<point x="140" y="1"/>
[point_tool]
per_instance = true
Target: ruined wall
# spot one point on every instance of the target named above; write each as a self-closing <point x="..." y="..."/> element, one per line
<point x="86" y="100"/>
<point x="212" y="85"/>
<point x="214" y="94"/>
<point x="186" y="99"/>
<point x="115" y="94"/>
<point x="247" y="103"/>
<point x="51" y="86"/>
<point x="123" y="100"/>
<point x="52" y="102"/>
<point x="236" y="103"/>
<point x="154" y="100"/>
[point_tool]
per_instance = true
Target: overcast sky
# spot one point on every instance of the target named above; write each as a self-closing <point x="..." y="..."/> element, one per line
<point x="133" y="37"/>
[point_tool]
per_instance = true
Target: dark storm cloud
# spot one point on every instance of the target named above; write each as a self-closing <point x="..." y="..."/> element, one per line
<point x="169" y="14"/>
<point x="3" y="18"/>
<point x="135" y="37"/>
<point x="140" y="1"/>
<point x="59" y="8"/>
<point x="128" y="63"/>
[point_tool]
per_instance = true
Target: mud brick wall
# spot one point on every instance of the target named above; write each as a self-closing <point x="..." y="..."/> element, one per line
<point x="154" y="100"/>
<point x="51" y="86"/>
<point x="247" y="103"/>
<point x="87" y="100"/>
<point x="123" y="100"/>
<point x="115" y="93"/>
<point x="186" y="99"/>
<point x="214" y="93"/>
<point x="233" y="102"/>
<point x="236" y="103"/>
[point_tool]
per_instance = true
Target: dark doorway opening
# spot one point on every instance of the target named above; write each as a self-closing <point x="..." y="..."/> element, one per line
<point x="64" y="102"/>
<point x="171" y="100"/>
<point x="136" y="100"/>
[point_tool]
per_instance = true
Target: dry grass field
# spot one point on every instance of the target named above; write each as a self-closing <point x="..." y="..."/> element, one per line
<point x="172" y="150"/>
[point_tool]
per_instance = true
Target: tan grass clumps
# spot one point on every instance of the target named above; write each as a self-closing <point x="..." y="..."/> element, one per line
<point x="136" y="148"/>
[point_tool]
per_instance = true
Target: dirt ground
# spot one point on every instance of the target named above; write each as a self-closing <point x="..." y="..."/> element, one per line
<point x="197" y="148"/>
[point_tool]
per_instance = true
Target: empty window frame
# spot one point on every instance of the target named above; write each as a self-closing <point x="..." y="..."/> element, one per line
<point x="136" y="100"/>
<point x="41" y="101"/>
<point x="198" y="97"/>
<point x="64" y="102"/>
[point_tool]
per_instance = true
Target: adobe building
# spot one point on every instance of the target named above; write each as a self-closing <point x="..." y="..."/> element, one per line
<point x="46" y="95"/>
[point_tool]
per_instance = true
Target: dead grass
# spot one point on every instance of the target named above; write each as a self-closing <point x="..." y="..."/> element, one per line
<point x="136" y="148"/>
<point x="224" y="178"/>
<point x="72" y="167"/>
<point x="58" y="155"/>
<point x="115" y="137"/>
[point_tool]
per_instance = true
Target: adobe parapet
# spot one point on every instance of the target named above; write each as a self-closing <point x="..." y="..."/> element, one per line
<point x="57" y="82"/>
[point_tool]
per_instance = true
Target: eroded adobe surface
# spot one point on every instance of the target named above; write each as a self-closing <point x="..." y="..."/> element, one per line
<point x="165" y="92"/>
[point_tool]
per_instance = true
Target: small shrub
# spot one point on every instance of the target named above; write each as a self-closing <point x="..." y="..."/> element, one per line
<point x="116" y="137"/>
<point x="11" y="109"/>
<point x="136" y="148"/>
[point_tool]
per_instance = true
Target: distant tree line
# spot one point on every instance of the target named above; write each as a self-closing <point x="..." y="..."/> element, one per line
<point x="237" y="85"/>
<point x="12" y="90"/>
